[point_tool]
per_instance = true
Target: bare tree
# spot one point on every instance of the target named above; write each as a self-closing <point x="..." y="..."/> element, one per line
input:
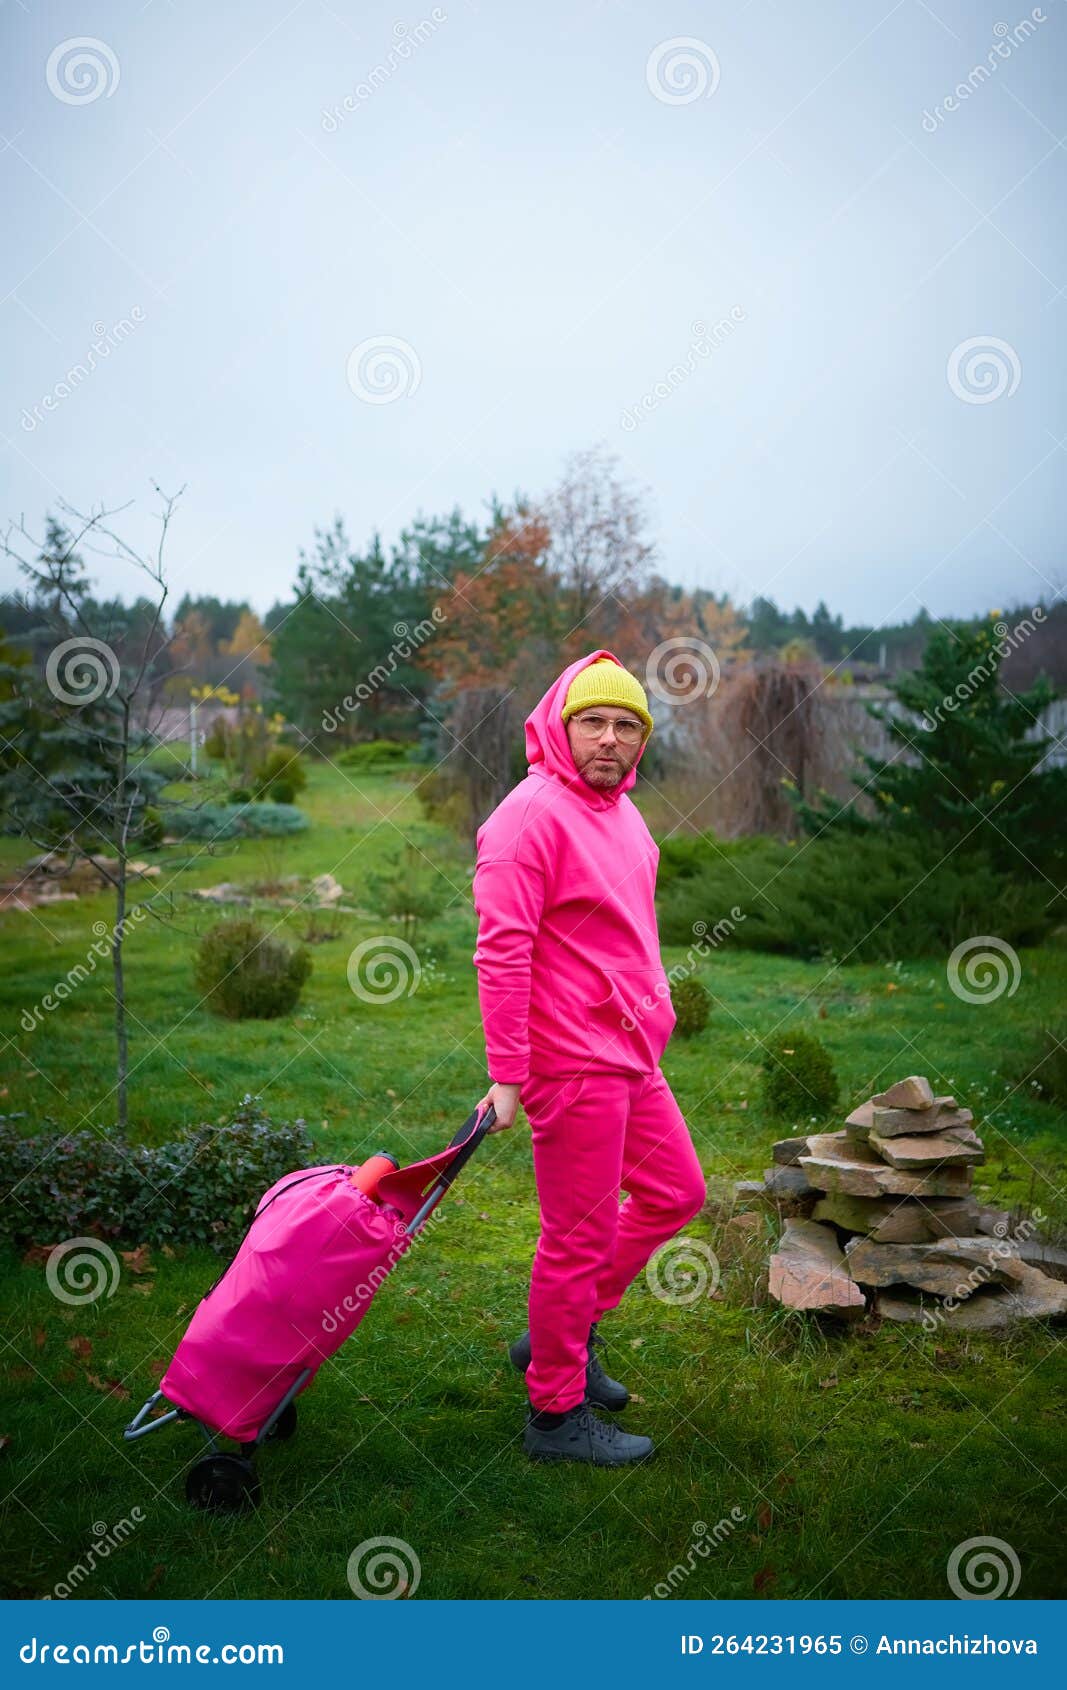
<point x="74" y="776"/>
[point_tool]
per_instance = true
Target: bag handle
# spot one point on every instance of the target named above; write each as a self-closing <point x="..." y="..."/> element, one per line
<point x="465" y="1143"/>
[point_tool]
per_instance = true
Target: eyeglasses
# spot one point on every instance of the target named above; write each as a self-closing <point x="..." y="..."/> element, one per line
<point x="592" y="727"/>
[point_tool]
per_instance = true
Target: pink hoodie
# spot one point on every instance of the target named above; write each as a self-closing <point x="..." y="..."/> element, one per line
<point x="570" y="979"/>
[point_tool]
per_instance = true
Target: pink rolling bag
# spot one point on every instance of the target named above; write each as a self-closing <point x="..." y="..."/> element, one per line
<point x="301" y="1282"/>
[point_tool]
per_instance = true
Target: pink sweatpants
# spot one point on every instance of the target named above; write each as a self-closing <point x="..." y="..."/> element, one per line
<point x="591" y="1136"/>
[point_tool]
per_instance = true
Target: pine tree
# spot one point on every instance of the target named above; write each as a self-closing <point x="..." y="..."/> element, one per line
<point x="966" y="762"/>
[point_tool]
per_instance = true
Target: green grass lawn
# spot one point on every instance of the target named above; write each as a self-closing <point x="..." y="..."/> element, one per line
<point x="841" y="1465"/>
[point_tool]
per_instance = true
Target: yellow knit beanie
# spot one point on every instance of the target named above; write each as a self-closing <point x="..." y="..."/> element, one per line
<point x="605" y="682"/>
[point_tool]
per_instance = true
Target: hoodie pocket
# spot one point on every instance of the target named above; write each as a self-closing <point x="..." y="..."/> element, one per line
<point x="634" y="1016"/>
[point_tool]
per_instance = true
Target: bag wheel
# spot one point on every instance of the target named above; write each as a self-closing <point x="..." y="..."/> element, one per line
<point x="225" y="1483"/>
<point x="285" y="1425"/>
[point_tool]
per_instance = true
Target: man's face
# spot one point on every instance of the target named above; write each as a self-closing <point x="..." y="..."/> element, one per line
<point x="605" y="743"/>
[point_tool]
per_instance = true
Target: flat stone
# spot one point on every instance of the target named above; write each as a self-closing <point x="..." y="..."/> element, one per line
<point x="861" y="1120"/>
<point x="915" y="1092"/>
<point x="808" y="1271"/>
<point x="956" y="1149"/>
<point x="954" y="1267"/>
<point x="788" y="1151"/>
<point x="746" y="1190"/>
<point x="1033" y="1296"/>
<point x="857" y="1171"/>
<point x="1049" y="1258"/>
<point x="902" y="1123"/>
<point x="787" y="1182"/>
<point x="891" y="1220"/>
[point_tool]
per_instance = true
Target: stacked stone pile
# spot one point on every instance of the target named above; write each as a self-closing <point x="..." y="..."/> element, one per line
<point x="882" y="1214"/>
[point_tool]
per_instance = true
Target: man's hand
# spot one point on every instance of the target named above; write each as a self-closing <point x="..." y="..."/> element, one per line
<point x="505" y="1100"/>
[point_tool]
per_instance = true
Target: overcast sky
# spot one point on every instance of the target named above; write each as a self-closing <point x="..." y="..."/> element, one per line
<point x="534" y="214"/>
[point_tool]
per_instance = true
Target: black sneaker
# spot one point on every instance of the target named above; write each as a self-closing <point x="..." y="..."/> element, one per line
<point x="599" y="1389"/>
<point x="582" y="1437"/>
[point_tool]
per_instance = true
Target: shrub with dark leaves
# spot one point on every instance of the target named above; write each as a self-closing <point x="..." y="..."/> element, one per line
<point x="247" y="974"/>
<point x="799" y="1081"/>
<point x="199" y="1188"/>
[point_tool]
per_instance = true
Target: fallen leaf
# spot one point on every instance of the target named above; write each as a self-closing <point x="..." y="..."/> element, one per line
<point x="154" y="1577"/>
<point x="144" y="1286"/>
<point x="39" y="1338"/>
<point x="168" y="1252"/>
<point x="4" y="1441"/>
<point x="38" y="1254"/>
<point x="81" y="1347"/>
<point x="139" y="1260"/>
<point x="763" y="1518"/>
<point x="635" y="1343"/>
<point x="157" y="1369"/>
<point x="828" y="1384"/>
<point x="765" y="1577"/>
<point x="110" y="1387"/>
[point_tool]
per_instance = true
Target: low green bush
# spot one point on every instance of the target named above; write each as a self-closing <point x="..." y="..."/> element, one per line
<point x="248" y="974"/>
<point x="798" y="1078"/>
<point x="219" y="821"/>
<point x="152" y="831"/>
<point x="864" y="899"/>
<point x="692" y="1006"/>
<point x="374" y="754"/>
<point x="200" y="1188"/>
<point x="281" y="792"/>
<point x="279" y="765"/>
<point x="240" y="795"/>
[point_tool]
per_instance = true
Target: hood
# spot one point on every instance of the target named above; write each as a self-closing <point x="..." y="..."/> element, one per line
<point x="548" y="749"/>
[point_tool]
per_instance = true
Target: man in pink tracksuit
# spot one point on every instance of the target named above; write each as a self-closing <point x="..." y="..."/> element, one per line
<point x="577" y="1013"/>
